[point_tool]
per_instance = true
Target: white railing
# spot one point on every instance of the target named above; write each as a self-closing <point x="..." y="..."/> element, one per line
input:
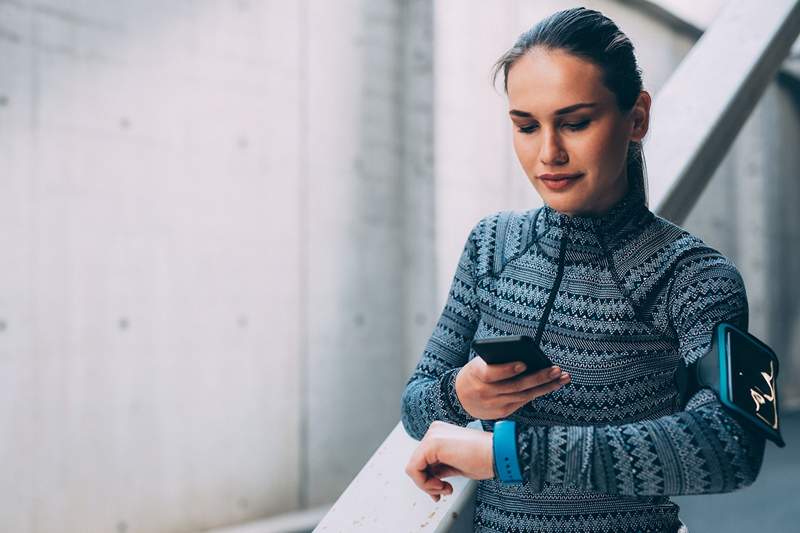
<point x="383" y="498"/>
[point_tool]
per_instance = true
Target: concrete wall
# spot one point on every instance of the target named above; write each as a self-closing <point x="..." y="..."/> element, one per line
<point x="150" y="295"/>
<point x="369" y="259"/>
<point x="204" y="303"/>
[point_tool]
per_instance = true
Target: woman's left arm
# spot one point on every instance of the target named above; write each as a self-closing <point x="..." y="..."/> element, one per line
<point x="699" y="450"/>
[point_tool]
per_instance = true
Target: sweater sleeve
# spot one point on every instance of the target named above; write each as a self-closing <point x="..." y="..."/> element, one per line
<point x="699" y="450"/>
<point x="430" y="393"/>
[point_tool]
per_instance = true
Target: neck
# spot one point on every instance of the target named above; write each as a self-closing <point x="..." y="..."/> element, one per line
<point x="590" y="230"/>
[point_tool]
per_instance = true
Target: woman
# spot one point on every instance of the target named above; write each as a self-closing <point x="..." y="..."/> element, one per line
<point x="618" y="298"/>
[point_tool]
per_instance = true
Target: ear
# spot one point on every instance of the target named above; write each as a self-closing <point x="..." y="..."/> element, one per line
<point x="641" y="116"/>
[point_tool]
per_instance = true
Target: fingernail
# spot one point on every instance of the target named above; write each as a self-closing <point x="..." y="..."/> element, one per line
<point x="519" y="368"/>
<point x="555" y="371"/>
<point x="564" y="376"/>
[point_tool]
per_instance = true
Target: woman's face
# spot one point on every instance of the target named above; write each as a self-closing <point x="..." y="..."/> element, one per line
<point x="555" y="132"/>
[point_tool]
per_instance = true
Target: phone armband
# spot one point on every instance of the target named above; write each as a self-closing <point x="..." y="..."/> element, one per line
<point x="743" y="373"/>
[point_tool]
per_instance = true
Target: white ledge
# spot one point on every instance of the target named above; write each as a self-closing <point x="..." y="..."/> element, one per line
<point x="383" y="498"/>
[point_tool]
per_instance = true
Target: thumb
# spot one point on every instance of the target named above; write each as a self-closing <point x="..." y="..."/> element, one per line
<point x="441" y="470"/>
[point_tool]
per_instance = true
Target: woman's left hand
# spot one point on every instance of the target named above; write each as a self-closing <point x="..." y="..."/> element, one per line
<point x="449" y="450"/>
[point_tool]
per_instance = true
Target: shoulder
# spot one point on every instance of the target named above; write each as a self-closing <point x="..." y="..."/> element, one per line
<point x="663" y="266"/>
<point x="703" y="282"/>
<point x="692" y="259"/>
<point x="499" y="237"/>
<point x="668" y="251"/>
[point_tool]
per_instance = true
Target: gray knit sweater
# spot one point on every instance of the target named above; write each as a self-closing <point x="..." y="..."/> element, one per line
<point x="626" y="298"/>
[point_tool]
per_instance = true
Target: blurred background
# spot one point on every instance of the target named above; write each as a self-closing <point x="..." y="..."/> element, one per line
<point x="228" y="229"/>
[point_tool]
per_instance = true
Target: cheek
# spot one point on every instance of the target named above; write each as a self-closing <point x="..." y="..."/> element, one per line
<point x="524" y="149"/>
<point x="614" y="138"/>
<point x="600" y="150"/>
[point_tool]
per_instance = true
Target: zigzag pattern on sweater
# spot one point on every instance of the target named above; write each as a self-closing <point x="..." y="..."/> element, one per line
<point x="638" y="297"/>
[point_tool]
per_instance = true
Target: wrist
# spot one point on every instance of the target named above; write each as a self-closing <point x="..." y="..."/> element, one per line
<point x="457" y="412"/>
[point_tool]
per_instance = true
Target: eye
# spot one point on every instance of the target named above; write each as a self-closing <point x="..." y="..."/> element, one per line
<point x="577" y="125"/>
<point x="572" y="126"/>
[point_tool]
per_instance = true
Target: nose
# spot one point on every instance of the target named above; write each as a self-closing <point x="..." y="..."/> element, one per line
<point x="551" y="152"/>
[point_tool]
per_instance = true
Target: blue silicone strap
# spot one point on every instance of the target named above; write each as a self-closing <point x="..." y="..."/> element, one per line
<point x="504" y="445"/>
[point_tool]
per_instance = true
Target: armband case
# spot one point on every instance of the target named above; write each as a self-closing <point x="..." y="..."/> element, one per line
<point x="743" y="372"/>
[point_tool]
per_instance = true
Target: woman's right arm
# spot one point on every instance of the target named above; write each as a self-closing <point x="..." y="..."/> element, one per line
<point x="430" y="393"/>
<point x="488" y="392"/>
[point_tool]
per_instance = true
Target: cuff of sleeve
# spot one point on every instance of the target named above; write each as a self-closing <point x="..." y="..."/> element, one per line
<point x="532" y="451"/>
<point x="454" y="411"/>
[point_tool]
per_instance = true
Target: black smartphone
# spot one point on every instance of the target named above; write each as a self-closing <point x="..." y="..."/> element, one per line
<point x="508" y="348"/>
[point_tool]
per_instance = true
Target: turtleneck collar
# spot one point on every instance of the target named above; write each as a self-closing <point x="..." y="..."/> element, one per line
<point x="594" y="233"/>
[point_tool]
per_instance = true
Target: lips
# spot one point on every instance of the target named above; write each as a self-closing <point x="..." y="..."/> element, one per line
<point x="558" y="177"/>
<point x="559" y="183"/>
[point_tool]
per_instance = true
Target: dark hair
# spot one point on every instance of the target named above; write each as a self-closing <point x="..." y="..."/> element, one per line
<point x="590" y="35"/>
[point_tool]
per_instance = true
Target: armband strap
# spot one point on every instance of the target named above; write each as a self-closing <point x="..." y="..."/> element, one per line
<point x="504" y="447"/>
<point x="743" y="373"/>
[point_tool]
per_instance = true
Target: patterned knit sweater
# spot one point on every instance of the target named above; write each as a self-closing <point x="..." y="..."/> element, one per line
<point x="623" y="300"/>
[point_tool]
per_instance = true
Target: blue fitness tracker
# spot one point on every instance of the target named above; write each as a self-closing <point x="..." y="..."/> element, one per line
<point x="504" y="446"/>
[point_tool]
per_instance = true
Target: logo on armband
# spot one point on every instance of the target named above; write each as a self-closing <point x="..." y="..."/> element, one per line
<point x="760" y="398"/>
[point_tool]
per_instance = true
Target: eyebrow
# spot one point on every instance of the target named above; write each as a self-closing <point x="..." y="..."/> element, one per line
<point x="562" y="111"/>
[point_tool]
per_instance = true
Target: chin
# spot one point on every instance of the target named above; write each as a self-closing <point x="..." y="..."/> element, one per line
<point x="567" y="202"/>
<point x="561" y="204"/>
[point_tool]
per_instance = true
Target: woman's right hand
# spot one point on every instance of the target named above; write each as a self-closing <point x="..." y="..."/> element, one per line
<point x="492" y="392"/>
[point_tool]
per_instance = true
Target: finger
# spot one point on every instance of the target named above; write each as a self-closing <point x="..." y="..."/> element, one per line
<point x="433" y="483"/>
<point x="422" y="471"/>
<point x="541" y="390"/>
<point x="534" y="392"/>
<point x="417" y="468"/>
<point x="442" y="471"/>
<point x="446" y="491"/>
<point x="538" y="378"/>
<point x="425" y="481"/>
<point x="499" y="372"/>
